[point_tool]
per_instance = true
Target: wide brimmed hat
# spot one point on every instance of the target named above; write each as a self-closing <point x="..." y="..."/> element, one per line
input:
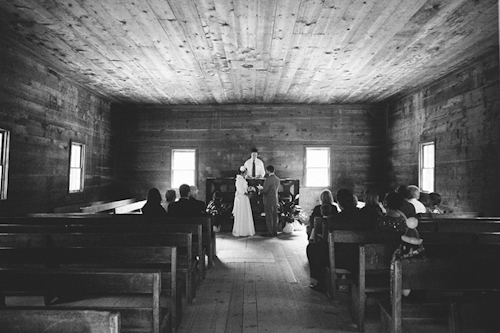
<point x="411" y="236"/>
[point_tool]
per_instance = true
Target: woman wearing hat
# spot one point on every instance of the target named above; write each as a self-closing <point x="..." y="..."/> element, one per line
<point x="242" y="211"/>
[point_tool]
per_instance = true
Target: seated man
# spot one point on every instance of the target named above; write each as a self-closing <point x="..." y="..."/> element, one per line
<point x="185" y="207"/>
<point x="349" y="218"/>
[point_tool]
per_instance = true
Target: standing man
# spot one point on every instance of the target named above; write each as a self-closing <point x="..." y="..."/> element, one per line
<point x="255" y="166"/>
<point x="270" y="198"/>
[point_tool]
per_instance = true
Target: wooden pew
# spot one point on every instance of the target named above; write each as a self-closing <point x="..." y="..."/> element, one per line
<point x="106" y="206"/>
<point x="462" y="224"/>
<point x="372" y="274"/>
<point x="134" y="259"/>
<point x="208" y="237"/>
<point x="73" y="208"/>
<point x="186" y="266"/>
<point x="456" y="274"/>
<point x="129" y="208"/>
<point x="194" y="229"/>
<point x="375" y="250"/>
<point x="136" y="295"/>
<point x="25" y="320"/>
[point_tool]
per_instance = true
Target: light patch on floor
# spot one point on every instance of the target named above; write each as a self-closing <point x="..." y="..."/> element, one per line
<point x="245" y="256"/>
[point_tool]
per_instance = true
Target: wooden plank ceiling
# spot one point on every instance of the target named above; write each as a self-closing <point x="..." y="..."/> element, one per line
<point x="250" y="51"/>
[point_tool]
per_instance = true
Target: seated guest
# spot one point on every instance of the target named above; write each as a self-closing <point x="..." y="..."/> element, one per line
<point x="407" y="208"/>
<point x="394" y="219"/>
<point x="373" y="209"/>
<point x="325" y="198"/>
<point x="199" y="204"/>
<point x="435" y="206"/>
<point x="184" y="207"/>
<point x="170" y="197"/>
<point x="414" y="195"/>
<point x="153" y="207"/>
<point x="349" y="218"/>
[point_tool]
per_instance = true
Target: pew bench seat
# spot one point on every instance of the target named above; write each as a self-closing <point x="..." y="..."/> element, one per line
<point x="136" y="295"/>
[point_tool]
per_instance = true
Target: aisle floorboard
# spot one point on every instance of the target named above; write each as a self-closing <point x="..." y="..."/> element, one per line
<point x="261" y="284"/>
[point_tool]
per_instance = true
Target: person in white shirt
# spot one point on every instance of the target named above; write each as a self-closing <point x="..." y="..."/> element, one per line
<point x="414" y="194"/>
<point x="255" y="166"/>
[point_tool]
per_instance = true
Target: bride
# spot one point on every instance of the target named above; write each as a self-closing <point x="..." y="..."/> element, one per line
<point x="243" y="220"/>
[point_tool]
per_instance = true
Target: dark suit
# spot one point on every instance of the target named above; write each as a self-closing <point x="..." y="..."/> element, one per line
<point x="185" y="207"/>
<point x="270" y="199"/>
<point x="200" y="205"/>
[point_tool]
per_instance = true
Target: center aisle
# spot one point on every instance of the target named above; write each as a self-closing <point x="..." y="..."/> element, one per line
<point x="261" y="284"/>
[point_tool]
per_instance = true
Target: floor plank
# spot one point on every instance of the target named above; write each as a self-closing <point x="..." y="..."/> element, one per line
<point x="261" y="284"/>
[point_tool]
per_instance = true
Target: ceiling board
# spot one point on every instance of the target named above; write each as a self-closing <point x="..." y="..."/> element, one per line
<point x="251" y="51"/>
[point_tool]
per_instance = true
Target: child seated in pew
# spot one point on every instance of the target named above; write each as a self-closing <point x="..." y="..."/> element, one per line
<point x="435" y="206"/>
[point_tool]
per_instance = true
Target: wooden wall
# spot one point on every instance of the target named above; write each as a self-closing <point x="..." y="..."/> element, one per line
<point x="44" y="112"/>
<point x="461" y="112"/>
<point x="224" y="135"/>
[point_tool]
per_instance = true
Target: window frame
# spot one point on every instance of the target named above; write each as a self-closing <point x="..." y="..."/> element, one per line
<point x="421" y="166"/>
<point x="172" y="169"/>
<point x="328" y="167"/>
<point x="81" y="168"/>
<point x="4" y="163"/>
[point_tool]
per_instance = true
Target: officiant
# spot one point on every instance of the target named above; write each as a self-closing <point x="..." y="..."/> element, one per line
<point x="255" y="177"/>
<point x="255" y="166"/>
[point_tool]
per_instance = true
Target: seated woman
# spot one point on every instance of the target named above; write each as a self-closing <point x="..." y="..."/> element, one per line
<point x="325" y="198"/>
<point x="414" y="195"/>
<point x="345" y="255"/>
<point x="394" y="219"/>
<point x="170" y="197"/>
<point x="153" y="207"/>
<point x="373" y="209"/>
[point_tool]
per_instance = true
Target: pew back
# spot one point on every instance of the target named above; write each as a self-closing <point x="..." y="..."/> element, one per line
<point x="71" y="283"/>
<point x="25" y="320"/>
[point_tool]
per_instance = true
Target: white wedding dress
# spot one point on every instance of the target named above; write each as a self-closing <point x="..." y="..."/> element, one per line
<point x="242" y="211"/>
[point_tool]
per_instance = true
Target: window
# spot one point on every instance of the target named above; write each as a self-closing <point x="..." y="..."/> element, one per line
<point x="426" y="167"/>
<point x="4" y="162"/>
<point x="183" y="167"/>
<point x="317" y="167"/>
<point x="77" y="161"/>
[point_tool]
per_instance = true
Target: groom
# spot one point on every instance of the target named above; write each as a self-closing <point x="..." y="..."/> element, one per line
<point x="270" y="198"/>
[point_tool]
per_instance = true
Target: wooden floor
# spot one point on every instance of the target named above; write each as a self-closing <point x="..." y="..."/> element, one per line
<point x="261" y="284"/>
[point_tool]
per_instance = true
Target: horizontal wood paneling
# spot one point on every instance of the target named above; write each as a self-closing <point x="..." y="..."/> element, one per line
<point x="44" y="112"/>
<point x="224" y="135"/>
<point x="460" y="113"/>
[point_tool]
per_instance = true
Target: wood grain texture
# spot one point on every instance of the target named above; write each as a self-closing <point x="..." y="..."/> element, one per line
<point x="259" y="51"/>
<point x="459" y="113"/>
<point x="224" y="135"/>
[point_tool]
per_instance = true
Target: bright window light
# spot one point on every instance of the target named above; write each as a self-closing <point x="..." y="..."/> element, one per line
<point x="183" y="167"/>
<point x="317" y="167"/>
<point x="77" y="158"/>
<point x="426" y="166"/>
